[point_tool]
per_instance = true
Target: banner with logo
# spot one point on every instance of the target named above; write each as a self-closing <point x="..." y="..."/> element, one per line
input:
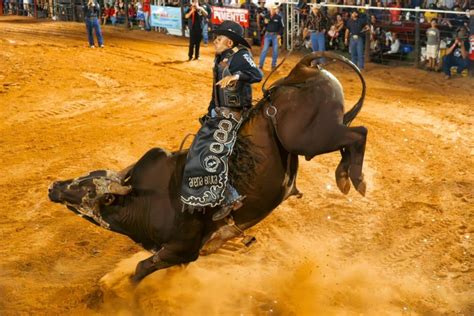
<point x="220" y="14"/>
<point x="168" y="18"/>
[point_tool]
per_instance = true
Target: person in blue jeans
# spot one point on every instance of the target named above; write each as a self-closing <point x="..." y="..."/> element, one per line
<point x="273" y="32"/>
<point x="91" y="17"/>
<point x="356" y="29"/>
<point x="317" y="25"/>
<point x="456" y="56"/>
<point x="205" y="22"/>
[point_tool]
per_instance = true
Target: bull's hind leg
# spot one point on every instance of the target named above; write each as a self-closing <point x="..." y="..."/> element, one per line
<point x="351" y="141"/>
<point x="342" y="172"/>
<point x="357" y="151"/>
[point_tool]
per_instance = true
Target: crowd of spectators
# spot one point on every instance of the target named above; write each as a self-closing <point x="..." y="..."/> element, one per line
<point x="391" y="31"/>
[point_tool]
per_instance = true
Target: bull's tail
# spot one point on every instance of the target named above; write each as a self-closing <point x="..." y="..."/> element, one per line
<point x="352" y="113"/>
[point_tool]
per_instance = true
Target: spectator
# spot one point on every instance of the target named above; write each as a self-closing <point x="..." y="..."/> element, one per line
<point x="355" y="29"/>
<point x="273" y="32"/>
<point x="146" y="12"/>
<point x="120" y="14"/>
<point x="316" y="25"/>
<point x="340" y="25"/>
<point x="113" y="15"/>
<point x="444" y="20"/>
<point x="132" y="14"/>
<point x="140" y="15"/>
<point x="394" y="13"/>
<point x="379" y="14"/>
<point x="27" y="6"/>
<point x="415" y="3"/>
<point x="432" y="44"/>
<point x="392" y="43"/>
<point x="205" y="21"/>
<point x="456" y="56"/>
<point x="91" y="17"/>
<point x="194" y="13"/>
<point x="471" y="54"/>
<point x="262" y="12"/>
<point x="106" y="14"/>
<point x="430" y="15"/>
<point x="374" y="34"/>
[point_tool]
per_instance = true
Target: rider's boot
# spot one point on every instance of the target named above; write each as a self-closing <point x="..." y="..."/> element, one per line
<point x="232" y="202"/>
<point x="225" y="210"/>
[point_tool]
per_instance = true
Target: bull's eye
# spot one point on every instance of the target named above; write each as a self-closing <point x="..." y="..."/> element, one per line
<point x="108" y="198"/>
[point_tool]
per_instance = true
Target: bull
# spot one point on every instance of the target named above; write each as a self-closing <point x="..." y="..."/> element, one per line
<point x="301" y="115"/>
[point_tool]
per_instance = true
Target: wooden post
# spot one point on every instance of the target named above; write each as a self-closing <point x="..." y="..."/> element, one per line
<point x="367" y="36"/>
<point x="126" y="14"/>
<point x="284" y="14"/>
<point x="471" y="39"/>
<point x="182" y="17"/>
<point x="417" y="37"/>
<point x="246" y="30"/>
<point x="35" y="9"/>
<point x="73" y="8"/>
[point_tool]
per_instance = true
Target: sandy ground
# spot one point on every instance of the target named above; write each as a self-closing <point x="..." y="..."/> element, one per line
<point x="404" y="249"/>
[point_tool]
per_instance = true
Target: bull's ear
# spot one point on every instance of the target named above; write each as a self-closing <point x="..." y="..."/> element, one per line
<point x="116" y="188"/>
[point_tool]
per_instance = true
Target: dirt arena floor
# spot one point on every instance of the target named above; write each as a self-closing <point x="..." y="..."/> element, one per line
<point x="404" y="249"/>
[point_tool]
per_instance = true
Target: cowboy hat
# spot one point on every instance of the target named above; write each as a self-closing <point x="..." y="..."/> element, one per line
<point x="233" y="31"/>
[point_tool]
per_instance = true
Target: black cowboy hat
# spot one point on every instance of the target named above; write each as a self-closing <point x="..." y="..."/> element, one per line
<point x="233" y="31"/>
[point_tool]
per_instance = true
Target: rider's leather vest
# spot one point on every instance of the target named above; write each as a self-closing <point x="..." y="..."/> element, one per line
<point x="231" y="96"/>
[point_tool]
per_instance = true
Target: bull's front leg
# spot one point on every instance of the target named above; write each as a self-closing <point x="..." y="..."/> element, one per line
<point x="147" y="266"/>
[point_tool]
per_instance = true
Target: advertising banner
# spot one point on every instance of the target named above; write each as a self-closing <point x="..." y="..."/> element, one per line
<point x="220" y="14"/>
<point x="168" y="18"/>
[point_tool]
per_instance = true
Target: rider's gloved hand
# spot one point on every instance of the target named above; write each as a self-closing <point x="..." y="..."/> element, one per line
<point x="204" y="118"/>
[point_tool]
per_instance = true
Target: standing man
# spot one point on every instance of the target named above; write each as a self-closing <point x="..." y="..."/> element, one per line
<point x="355" y="29"/>
<point x="205" y="177"/>
<point x="316" y="25"/>
<point x="273" y="32"/>
<point x="91" y="17"/>
<point x="195" y="13"/>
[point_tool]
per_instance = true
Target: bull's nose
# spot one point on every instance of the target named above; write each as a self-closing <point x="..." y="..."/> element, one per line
<point x="51" y="186"/>
<point x="51" y="193"/>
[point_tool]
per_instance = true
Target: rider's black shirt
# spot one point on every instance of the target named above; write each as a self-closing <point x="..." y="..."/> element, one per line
<point x="241" y="63"/>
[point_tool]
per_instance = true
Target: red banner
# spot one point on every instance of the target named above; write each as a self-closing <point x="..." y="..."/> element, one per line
<point x="220" y="14"/>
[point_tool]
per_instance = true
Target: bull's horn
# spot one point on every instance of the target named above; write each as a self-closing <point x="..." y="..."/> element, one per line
<point x="116" y="188"/>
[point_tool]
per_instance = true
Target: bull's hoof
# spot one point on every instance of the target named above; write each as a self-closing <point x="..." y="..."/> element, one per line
<point x="143" y="268"/>
<point x="248" y="240"/>
<point x="134" y="279"/>
<point x="343" y="184"/>
<point x="295" y="192"/>
<point x="211" y="246"/>
<point x="361" y="188"/>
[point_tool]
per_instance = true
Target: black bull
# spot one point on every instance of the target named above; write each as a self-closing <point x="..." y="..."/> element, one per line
<point x="302" y="115"/>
